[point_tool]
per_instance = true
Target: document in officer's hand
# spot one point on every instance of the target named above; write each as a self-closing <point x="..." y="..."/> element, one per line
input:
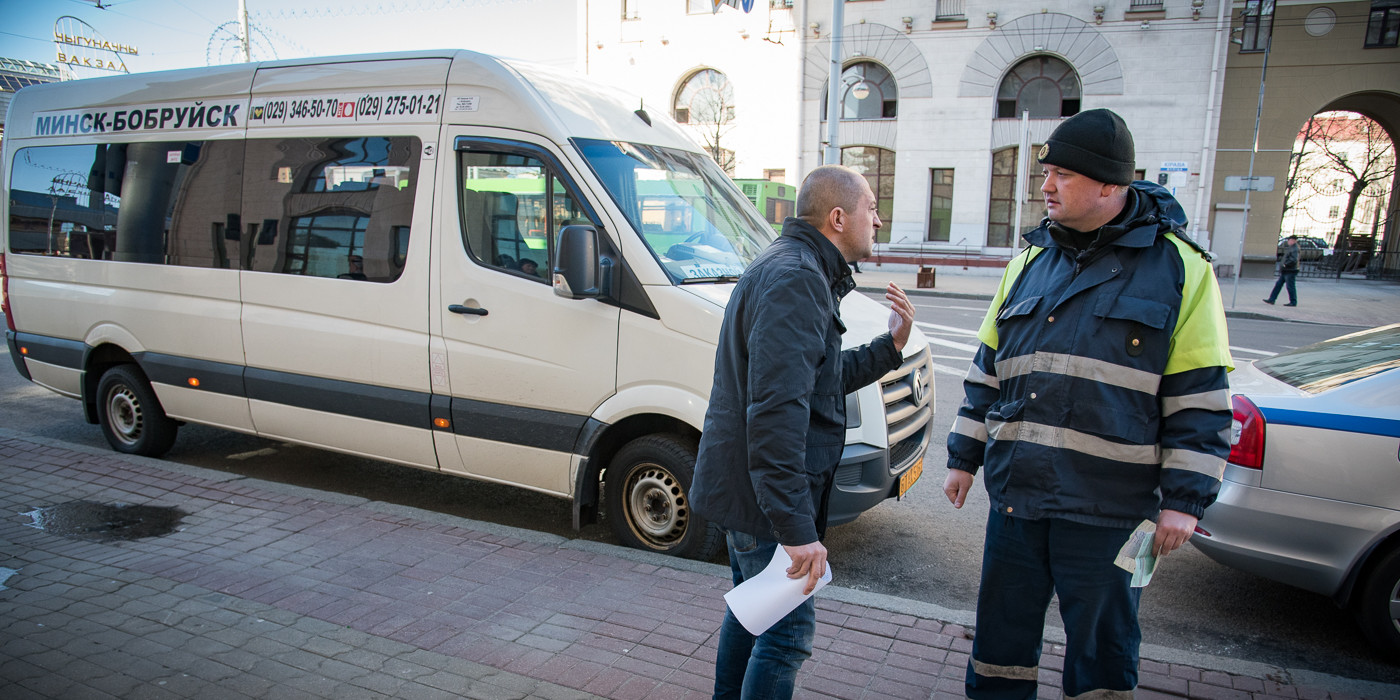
<point x="766" y="598"/>
<point x="1136" y="555"/>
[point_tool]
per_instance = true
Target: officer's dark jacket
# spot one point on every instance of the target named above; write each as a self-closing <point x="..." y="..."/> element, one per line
<point x="776" y="423"/>
<point x="1099" y="392"/>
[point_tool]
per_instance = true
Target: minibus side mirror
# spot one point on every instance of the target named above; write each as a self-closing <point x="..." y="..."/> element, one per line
<point x="578" y="266"/>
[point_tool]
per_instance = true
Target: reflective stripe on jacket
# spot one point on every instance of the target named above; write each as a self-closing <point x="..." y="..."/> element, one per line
<point x="1099" y="392"/>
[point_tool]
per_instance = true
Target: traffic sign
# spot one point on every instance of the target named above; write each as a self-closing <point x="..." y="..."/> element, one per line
<point x="1240" y="183"/>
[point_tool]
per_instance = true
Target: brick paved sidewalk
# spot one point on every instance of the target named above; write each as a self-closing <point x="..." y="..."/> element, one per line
<point x="271" y="591"/>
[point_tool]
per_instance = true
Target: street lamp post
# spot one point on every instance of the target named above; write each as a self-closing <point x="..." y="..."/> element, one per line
<point x="1253" y="151"/>
<point x="833" y="87"/>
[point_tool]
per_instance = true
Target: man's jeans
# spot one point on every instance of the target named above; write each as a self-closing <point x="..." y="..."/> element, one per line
<point x="763" y="667"/>
<point x="1023" y="564"/>
<point x="1288" y="278"/>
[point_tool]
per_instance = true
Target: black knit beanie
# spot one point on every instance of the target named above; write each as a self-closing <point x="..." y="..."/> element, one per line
<point x="1096" y="144"/>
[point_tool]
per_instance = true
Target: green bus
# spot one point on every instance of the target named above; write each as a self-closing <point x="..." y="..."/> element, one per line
<point x="775" y="200"/>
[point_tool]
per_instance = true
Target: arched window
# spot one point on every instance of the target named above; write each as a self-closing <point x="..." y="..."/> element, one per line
<point x="705" y="97"/>
<point x="877" y="165"/>
<point x="1044" y="85"/>
<point x="868" y="91"/>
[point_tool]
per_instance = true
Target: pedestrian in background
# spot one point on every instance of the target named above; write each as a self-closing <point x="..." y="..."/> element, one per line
<point x="1287" y="272"/>
<point x="1096" y="401"/>
<point x="776" y="424"/>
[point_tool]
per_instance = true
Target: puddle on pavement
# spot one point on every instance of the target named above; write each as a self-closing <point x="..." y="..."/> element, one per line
<point x="106" y="522"/>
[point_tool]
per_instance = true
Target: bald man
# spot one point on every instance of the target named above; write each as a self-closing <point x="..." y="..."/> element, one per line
<point x="776" y="424"/>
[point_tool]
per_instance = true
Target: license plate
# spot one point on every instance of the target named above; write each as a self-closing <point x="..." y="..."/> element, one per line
<point x="910" y="475"/>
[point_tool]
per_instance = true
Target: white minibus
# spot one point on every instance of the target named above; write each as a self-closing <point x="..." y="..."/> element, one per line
<point x="438" y="259"/>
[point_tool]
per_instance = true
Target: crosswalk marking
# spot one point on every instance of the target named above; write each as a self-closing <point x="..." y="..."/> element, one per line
<point x="1252" y="351"/>
<point x="951" y="344"/>
<point x="946" y="329"/>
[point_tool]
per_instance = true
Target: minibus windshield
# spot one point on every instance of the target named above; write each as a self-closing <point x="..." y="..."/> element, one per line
<point x="690" y="215"/>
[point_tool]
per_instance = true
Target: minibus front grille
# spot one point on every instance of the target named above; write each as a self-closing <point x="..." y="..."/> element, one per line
<point x="908" y="396"/>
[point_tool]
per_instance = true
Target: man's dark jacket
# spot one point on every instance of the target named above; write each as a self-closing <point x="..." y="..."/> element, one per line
<point x="1291" y="254"/>
<point x="776" y="424"/>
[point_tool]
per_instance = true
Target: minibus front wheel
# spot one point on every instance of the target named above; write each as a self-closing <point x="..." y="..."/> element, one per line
<point x="130" y="414"/>
<point x="648" y="499"/>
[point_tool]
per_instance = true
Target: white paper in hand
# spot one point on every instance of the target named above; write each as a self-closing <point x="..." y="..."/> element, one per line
<point x="766" y="598"/>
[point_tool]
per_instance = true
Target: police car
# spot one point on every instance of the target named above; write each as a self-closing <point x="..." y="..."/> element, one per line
<point x="1311" y="495"/>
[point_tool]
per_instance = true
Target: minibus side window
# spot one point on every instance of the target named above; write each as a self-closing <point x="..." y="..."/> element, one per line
<point x="329" y="207"/>
<point x="512" y="207"/>
<point x="167" y="203"/>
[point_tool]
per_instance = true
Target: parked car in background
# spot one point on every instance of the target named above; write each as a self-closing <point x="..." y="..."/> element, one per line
<point x="1310" y="248"/>
<point x="1311" y="495"/>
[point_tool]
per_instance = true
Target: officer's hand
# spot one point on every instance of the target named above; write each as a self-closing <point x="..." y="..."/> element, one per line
<point x="901" y="315"/>
<point x="807" y="560"/>
<point x="1173" y="529"/>
<point x="956" y="486"/>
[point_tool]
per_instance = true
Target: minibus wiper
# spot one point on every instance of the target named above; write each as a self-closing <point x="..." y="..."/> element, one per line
<point x="717" y="279"/>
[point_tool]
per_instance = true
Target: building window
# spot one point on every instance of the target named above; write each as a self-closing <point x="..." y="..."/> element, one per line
<point x="1258" y="16"/>
<point x="1002" y="207"/>
<point x="1045" y="86"/>
<point x="1003" y="231"/>
<point x="940" y="204"/>
<point x="868" y="91"/>
<point x="947" y="10"/>
<point x="706" y="97"/>
<point x="877" y="165"/>
<point x="1383" y="29"/>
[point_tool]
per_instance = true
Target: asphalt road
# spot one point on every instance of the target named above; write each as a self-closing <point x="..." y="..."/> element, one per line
<point x="918" y="548"/>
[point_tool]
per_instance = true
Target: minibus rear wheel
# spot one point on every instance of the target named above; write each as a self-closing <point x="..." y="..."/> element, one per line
<point x="130" y="414"/>
<point x="648" y="498"/>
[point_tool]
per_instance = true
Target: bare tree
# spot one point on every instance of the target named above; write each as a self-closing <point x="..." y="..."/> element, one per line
<point x="1360" y="150"/>
<point x="1350" y="154"/>
<point x="1295" y="195"/>
<point x="706" y="101"/>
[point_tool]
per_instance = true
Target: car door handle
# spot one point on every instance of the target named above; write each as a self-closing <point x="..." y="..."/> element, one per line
<point x="472" y="310"/>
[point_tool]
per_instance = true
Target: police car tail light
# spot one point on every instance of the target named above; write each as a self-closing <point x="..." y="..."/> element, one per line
<point x="1246" y="434"/>
<point x="5" y="295"/>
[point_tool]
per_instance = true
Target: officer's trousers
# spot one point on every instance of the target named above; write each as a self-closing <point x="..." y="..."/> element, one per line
<point x="1024" y="563"/>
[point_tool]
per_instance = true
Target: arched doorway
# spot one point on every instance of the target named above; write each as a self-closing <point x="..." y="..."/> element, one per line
<point x="1338" y="195"/>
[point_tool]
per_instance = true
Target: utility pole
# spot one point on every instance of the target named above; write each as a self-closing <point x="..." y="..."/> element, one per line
<point x="243" y="29"/>
<point x="833" y="91"/>
<point x="1254" y="150"/>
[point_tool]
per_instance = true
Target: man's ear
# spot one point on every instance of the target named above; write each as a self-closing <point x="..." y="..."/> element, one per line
<point x="836" y="219"/>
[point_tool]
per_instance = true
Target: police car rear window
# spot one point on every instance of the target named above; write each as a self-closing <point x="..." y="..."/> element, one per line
<point x="1332" y="363"/>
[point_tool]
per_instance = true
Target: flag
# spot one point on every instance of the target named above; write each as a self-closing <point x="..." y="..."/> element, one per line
<point x="745" y="5"/>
